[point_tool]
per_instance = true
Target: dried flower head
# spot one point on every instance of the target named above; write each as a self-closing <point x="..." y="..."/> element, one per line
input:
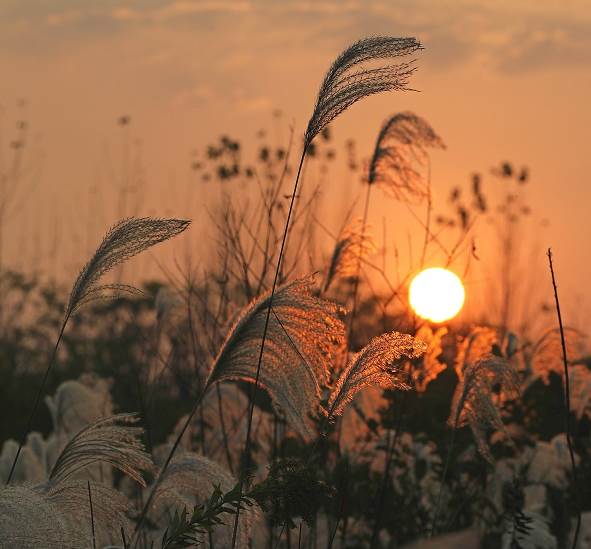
<point x="53" y="513"/>
<point x="354" y="244"/>
<point x="304" y="338"/>
<point x="350" y="79"/>
<point x="58" y="516"/>
<point x="475" y="346"/>
<point x="400" y="152"/>
<point x="111" y="440"/>
<point x="429" y="367"/>
<point x="126" y="239"/>
<point x="483" y="385"/>
<point x="378" y="364"/>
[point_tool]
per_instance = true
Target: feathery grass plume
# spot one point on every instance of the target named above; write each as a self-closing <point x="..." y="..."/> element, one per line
<point x="474" y="347"/>
<point x="430" y="367"/>
<point x="304" y="338"/>
<point x="474" y="402"/>
<point x="401" y="145"/>
<point x="127" y="238"/>
<point x="354" y="243"/>
<point x="546" y="356"/>
<point x="376" y="364"/>
<point x="189" y="481"/>
<point x="111" y="440"/>
<point x="349" y="79"/>
<point x="50" y="514"/>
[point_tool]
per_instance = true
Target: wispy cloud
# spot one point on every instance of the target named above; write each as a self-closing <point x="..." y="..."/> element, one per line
<point x="503" y="36"/>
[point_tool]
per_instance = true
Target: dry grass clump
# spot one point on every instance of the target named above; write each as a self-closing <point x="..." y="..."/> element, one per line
<point x="474" y="347"/>
<point x="476" y="398"/>
<point x="56" y="512"/>
<point x="430" y="366"/>
<point x="304" y="338"/>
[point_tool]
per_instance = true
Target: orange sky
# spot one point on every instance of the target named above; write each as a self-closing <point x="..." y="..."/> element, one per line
<point x="499" y="81"/>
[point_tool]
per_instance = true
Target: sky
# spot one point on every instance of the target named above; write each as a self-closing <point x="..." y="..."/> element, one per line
<point x="502" y="80"/>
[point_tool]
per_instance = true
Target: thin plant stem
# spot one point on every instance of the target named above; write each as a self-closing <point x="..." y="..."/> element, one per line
<point x="165" y="466"/>
<point x="38" y="397"/>
<point x="356" y="281"/>
<point x="428" y="219"/>
<point x="443" y="475"/>
<point x="224" y="431"/>
<point x="343" y="491"/>
<point x="260" y="360"/>
<point x="567" y="403"/>
<point x="387" y="465"/>
<point x="91" y="515"/>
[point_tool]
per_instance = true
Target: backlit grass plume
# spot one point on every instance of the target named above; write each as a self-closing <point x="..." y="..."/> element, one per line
<point x="377" y="364"/>
<point x="483" y="384"/>
<point x="477" y="397"/>
<point x="304" y="339"/>
<point x="400" y="150"/>
<point x="430" y="367"/>
<point x="124" y="240"/>
<point x="354" y="243"/>
<point x="113" y="440"/>
<point x="350" y="79"/>
<point x="476" y="345"/>
<point x="55" y="513"/>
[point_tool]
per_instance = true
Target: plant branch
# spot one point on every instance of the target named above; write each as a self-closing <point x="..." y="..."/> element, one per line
<point x="567" y="399"/>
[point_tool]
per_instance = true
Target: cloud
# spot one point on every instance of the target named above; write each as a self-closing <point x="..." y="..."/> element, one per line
<point x="502" y="36"/>
<point x="181" y="8"/>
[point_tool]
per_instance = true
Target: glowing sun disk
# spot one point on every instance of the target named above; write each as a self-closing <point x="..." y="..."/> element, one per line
<point x="436" y="294"/>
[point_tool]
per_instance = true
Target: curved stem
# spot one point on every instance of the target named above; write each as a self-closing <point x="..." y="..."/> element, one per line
<point x="387" y="465"/>
<point x="356" y="282"/>
<point x="444" y="474"/>
<point x="567" y="398"/>
<point x="38" y="397"/>
<point x="264" y="338"/>
<point x="156" y="483"/>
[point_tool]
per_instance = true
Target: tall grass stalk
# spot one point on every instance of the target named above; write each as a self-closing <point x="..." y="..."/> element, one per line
<point x="124" y="240"/>
<point x="27" y="429"/>
<point x="91" y="515"/>
<point x="567" y="402"/>
<point x="163" y="469"/>
<point x="443" y="477"/>
<point x="254" y="388"/>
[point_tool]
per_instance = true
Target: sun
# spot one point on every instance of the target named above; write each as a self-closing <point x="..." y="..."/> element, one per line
<point x="436" y="294"/>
